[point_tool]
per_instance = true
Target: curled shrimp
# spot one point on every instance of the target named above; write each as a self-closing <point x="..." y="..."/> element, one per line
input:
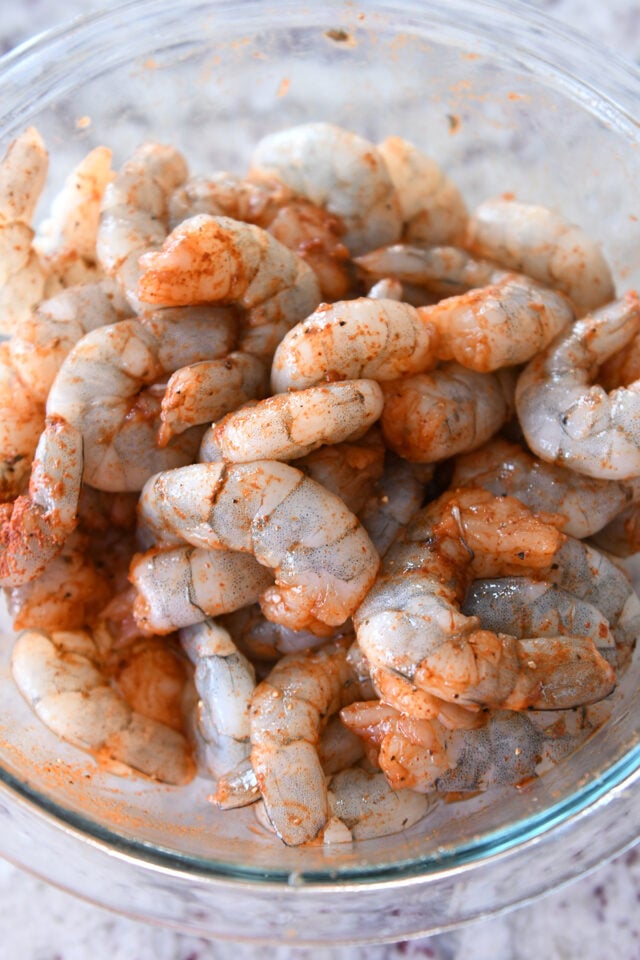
<point x="621" y="536"/>
<point x="370" y="338"/>
<point x="431" y="205"/>
<point x="433" y="416"/>
<point x="339" y="170"/>
<point x="368" y="807"/>
<point x="21" y="423"/>
<point x="23" y="171"/>
<point x="350" y="470"/>
<point x="398" y="494"/>
<point x="291" y="425"/>
<point x="324" y="562"/>
<point x="261" y="639"/>
<point x="565" y="418"/>
<point x="288" y="710"/>
<point x="542" y="244"/>
<point x="443" y="270"/>
<point x="62" y="677"/>
<point x="410" y="621"/>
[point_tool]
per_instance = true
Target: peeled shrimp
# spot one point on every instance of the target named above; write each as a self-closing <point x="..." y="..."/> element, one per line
<point x="565" y="418"/>
<point x="443" y="270"/>
<point x="431" y="205"/>
<point x="288" y="710"/>
<point x="542" y="244"/>
<point x="410" y="620"/>
<point x="62" y="678"/>
<point x="224" y="194"/>
<point x="621" y="536"/>
<point x="366" y="804"/>
<point x="261" y="639"/>
<point x="324" y="562"/>
<point x="21" y="423"/>
<point x="291" y="425"/>
<point x="23" y="171"/>
<point x="376" y="339"/>
<point x="339" y="170"/>
<point x="350" y="470"/>
<point x="433" y="416"/>
<point x="399" y="493"/>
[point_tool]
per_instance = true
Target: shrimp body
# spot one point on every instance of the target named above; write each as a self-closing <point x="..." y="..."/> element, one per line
<point x="570" y="421"/>
<point x="543" y="245"/>
<point x="322" y="559"/>
<point x="291" y="425"/>
<point x="62" y="678"/>
<point x="350" y="470"/>
<point x="398" y="494"/>
<point x="261" y="639"/>
<point x="21" y="423"/>
<point x="366" y="804"/>
<point x="365" y="337"/>
<point x="410" y="621"/>
<point x="443" y="270"/>
<point x="340" y="171"/>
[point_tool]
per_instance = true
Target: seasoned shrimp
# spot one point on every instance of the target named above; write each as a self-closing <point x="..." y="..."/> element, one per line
<point x="33" y="528"/>
<point x="288" y="710"/>
<point x="431" y="205"/>
<point x="184" y="585"/>
<point x="410" y="620"/>
<point x="251" y="270"/>
<point x="433" y="416"/>
<point x="339" y="170"/>
<point x="398" y="495"/>
<point x="507" y="469"/>
<point x="542" y="244"/>
<point x="21" y="423"/>
<point x="225" y="681"/>
<point x="366" y="804"/>
<point x="62" y="678"/>
<point x="261" y="639"/>
<point x="386" y="289"/>
<point x="568" y="420"/>
<point x="350" y="470"/>
<point x="23" y="171"/>
<point x="224" y="194"/>
<point x="369" y="338"/>
<point x="621" y="536"/>
<point x="203" y="392"/>
<point x="324" y="562"/>
<point x="291" y="425"/>
<point x="443" y="270"/>
<point x="100" y="390"/>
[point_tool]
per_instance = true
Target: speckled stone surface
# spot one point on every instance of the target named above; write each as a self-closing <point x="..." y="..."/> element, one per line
<point x="595" y="918"/>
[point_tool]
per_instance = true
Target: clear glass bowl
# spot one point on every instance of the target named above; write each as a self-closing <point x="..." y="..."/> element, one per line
<point x="505" y="101"/>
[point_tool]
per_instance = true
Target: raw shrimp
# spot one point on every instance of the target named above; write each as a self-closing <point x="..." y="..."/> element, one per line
<point x="398" y="495"/>
<point x="291" y="425"/>
<point x="62" y="678"/>
<point x="567" y="420"/>
<point x="621" y="536"/>
<point x="261" y="639"/>
<point x="507" y="469"/>
<point x="542" y="244"/>
<point x="324" y="562"/>
<point x="433" y="416"/>
<point x="339" y="170"/>
<point x="224" y="194"/>
<point x="288" y="710"/>
<point x="21" y="423"/>
<point x="181" y="586"/>
<point x="23" y="171"/>
<point x="33" y="528"/>
<point x="623" y="368"/>
<point x="445" y="271"/>
<point x="220" y="260"/>
<point x="501" y="325"/>
<point x="431" y="205"/>
<point x="349" y="470"/>
<point x="225" y="681"/>
<point x="376" y="339"/>
<point x="410" y="620"/>
<point x="205" y="391"/>
<point x="99" y="390"/>
<point x="366" y="804"/>
<point x="386" y="289"/>
<point x="66" y="241"/>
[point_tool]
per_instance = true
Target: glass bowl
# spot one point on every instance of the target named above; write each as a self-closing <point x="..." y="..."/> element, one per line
<point x="505" y="101"/>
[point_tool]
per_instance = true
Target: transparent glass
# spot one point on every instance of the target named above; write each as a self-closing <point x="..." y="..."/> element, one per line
<point x="505" y="101"/>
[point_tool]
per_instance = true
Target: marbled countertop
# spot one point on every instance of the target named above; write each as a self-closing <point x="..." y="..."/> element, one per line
<point x="593" y="918"/>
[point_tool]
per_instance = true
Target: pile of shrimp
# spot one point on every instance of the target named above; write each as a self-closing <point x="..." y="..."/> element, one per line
<point x="313" y="483"/>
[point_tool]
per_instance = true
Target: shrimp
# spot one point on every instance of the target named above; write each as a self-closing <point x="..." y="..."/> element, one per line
<point x="224" y="194"/>
<point x="443" y="270"/>
<point x="134" y="212"/>
<point x="21" y="423"/>
<point x="564" y="418"/>
<point x="99" y="390"/>
<point x="507" y="469"/>
<point x="542" y="244"/>
<point x="501" y="325"/>
<point x="386" y="289"/>
<point x="261" y="639"/>
<point x="288" y="710"/>
<point x="62" y="678"/>
<point x="251" y="270"/>
<point x="324" y="562"/>
<point x="291" y="425"/>
<point x="410" y="621"/>
<point x="349" y="470"/>
<point x="34" y="528"/>
<point x="398" y="495"/>
<point x="431" y="205"/>
<point x="352" y="339"/>
<point x="621" y="536"/>
<point x="23" y="172"/>
<point x="205" y="391"/>
<point x="433" y="416"/>
<point x="225" y="681"/>
<point x="340" y="171"/>
<point x="182" y="586"/>
<point x="366" y="804"/>
<point x="66" y="241"/>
